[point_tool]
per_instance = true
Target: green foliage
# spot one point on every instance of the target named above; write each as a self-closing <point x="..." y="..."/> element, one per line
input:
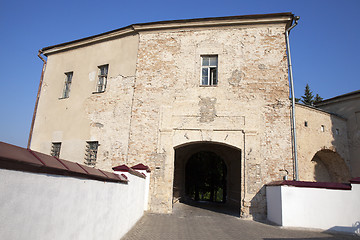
<point x="206" y="177"/>
<point x="318" y="98"/>
<point x="308" y="98"/>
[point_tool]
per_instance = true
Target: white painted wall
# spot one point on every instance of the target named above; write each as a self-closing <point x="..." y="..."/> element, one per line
<point x="328" y="209"/>
<point x="44" y="206"/>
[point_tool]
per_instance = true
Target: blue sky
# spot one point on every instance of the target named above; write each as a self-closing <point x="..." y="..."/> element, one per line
<point x="324" y="46"/>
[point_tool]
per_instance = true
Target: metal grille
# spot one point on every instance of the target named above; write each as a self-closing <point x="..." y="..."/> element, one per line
<point x="91" y="153"/>
<point x="55" y="149"/>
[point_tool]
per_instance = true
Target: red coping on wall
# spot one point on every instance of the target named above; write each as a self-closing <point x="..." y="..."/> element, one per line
<point x="17" y="158"/>
<point x="121" y="168"/>
<point x="355" y="180"/>
<point x="141" y="166"/>
<point x="124" y="168"/>
<point x="327" y="185"/>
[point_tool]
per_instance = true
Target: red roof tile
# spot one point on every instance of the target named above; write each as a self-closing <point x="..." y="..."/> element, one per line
<point x="141" y="166"/>
<point x="121" y="168"/>
<point x="355" y="180"/>
<point x="17" y="158"/>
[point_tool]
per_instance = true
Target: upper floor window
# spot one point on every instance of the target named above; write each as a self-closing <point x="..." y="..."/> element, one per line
<point x="102" y="78"/>
<point x="55" y="149"/>
<point x="91" y="152"/>
<point x="67" y="85"/>
<point x="209" y="65"/>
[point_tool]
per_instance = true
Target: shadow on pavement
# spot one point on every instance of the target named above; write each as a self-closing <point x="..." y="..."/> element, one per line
<point x="212" y="206"/>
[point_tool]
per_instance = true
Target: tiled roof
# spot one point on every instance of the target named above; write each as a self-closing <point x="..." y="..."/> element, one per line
<point x="21" y="159"/>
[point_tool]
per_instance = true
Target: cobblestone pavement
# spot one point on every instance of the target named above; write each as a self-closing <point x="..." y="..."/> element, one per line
<point x="189" y="222"/>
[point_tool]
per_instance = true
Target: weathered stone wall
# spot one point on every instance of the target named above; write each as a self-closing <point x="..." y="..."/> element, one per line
<point x="314" y="140"/>
<point x="154" y="103"/>
<point x="249" y="109"/>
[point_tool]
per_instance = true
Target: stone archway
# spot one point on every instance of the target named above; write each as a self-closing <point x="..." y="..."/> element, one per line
<point x="330" y="167"/>
<point x="217" y="154"/>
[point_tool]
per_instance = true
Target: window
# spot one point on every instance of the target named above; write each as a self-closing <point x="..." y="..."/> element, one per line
<point x="337" y="131"/>
<point x="68" y="80"/>
<point x="209" y="70"/>
<point x="91" y="153"/>
<point x="102" y="78"/>
<point x="55" y="149"/>
<point x="322" y="128"/>
<point x="306" y="123"/>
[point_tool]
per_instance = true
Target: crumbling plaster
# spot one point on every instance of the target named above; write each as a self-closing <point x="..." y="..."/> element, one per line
<point x="249" y="109"/>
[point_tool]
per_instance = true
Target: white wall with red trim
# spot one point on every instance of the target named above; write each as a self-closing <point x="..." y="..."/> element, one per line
<point x="47" y="206"/>
<point x="308" y="207"/>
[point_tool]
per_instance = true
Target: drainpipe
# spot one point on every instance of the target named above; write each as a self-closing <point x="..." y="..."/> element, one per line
<point x="37" y="98"/>
<point x="296" y="177"/>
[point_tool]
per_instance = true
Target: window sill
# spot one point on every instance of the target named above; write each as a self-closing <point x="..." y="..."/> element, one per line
<point x="63" y="98"/>
<point x="208" y="85"/>
<point x="98" y="92"/>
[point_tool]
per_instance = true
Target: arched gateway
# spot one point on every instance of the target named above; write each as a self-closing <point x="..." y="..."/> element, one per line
<point x="208" y="171"/>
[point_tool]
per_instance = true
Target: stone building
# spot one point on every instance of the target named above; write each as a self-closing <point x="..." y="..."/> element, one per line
<point x="347" y="106"/>
<point x="172" y="95"/>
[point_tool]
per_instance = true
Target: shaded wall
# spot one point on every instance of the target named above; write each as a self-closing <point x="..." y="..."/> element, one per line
<point x="322" y="145"/>
<point x="326" y="206"/>
<point x="348" y="107"/>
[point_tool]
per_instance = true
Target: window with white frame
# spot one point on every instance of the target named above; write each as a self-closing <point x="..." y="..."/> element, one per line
<point x="102" y="78"/>
<point x="68" y="80"/>
<point x="91" y="152"/>
<point x="55" y="149"/>
<point x="209" y="72"/>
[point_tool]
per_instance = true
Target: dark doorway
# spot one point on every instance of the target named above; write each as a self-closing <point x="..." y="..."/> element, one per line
<point x="208" y="175"/>
<point x="205" y="177"/>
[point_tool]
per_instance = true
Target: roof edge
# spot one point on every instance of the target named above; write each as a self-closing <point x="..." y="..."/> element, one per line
<point x="349" y="95"/>
<point x="320" y="110"/>
<point x="285" y="17"/>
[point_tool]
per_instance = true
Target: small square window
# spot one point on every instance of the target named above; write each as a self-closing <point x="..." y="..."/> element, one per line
<point x="305" y="123"/>
<point x="102" y="78"/>
<point x="337" y="131"/>
<point x="209" y="72"/>
<point x="91" y="153"/>
<point x="55" y="149"/>
<point x="68" y="80"/>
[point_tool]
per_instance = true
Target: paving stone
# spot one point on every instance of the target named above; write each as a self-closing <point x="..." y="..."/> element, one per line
<point x="194" y="222"/>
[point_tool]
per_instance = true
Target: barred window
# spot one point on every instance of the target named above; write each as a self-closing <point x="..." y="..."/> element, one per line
<point x="68" y="80"/>
<point x="55" y="149"/>
<point x="209" y="65"/>
<point x="102" y="78"/>
<point x="91" y="153"/>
